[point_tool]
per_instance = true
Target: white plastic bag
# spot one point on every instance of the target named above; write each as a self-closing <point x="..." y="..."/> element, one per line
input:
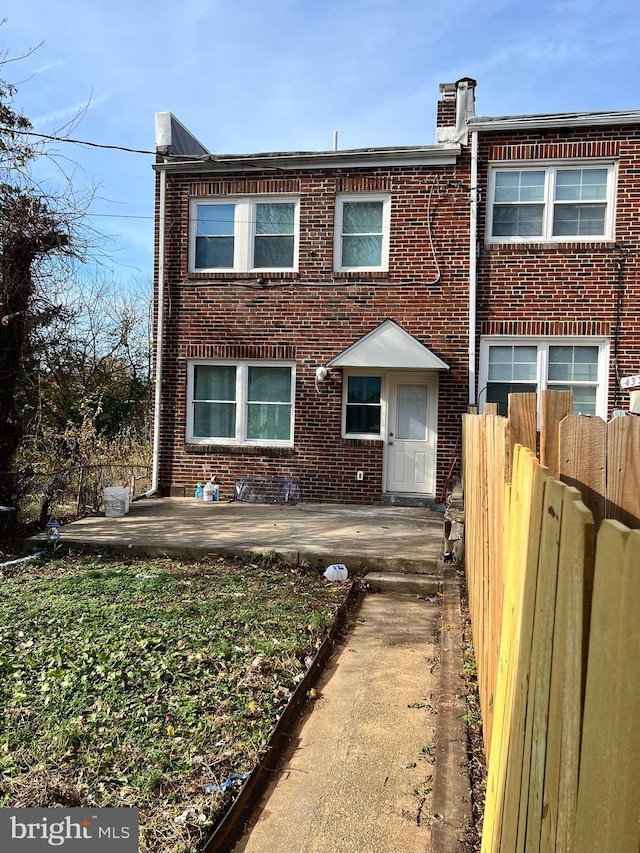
<point x="336" y="572"/>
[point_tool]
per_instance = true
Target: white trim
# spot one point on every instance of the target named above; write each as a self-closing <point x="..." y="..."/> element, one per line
<point x="543" y="342"/>
<point x="551" y="168"/>
<point x="388" y="346"/>
<point x="241" y="402"/>
<point x="341" y="198"/>
<point x="365" y="371"/>
<point x="244" y="231"/>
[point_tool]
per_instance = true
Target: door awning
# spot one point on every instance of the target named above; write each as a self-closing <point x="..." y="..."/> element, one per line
<point x="388" y="346"/>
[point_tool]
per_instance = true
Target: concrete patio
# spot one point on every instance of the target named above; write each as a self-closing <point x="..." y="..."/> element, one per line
<point x="364" y="538"/>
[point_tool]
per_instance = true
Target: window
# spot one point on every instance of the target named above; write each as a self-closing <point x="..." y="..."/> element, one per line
<point x="556" y="203"/>
<point x="362" y="405"/>
<point x="244" y="234"/>
<point x="362" y="233"/>
<point x="521" y="365"/>
<point x="240" y="403"/>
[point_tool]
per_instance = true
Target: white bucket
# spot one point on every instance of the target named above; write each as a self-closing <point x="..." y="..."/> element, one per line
<point x="113" y="507"/>
<point x="117" y="493"/>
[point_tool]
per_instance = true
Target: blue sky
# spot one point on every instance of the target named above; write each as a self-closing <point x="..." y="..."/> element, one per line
<point x="249" y="75"/>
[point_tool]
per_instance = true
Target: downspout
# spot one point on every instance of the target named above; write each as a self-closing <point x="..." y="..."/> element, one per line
<point x="157" y="406"/>
<point x="473" y="266"/>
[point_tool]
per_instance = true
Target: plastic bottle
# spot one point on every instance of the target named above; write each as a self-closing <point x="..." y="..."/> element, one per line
<point x="199" y="495"/>
<point x="207" y="494"/>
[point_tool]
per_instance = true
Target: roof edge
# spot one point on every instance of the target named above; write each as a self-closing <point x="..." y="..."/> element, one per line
<point x="553" y="120"/>
<point x="438" y="154"/>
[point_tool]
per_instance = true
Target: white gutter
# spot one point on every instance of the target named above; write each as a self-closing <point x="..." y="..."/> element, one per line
<point x="473" y="263"/>
<point x="157" y="406"/>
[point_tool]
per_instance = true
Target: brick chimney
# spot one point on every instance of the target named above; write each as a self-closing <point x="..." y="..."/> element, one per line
<point x="455" y="107"/>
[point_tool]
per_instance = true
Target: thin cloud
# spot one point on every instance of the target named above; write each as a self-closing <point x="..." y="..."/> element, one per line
<point x="48" y="67"/>
<point x="68" y="112"/>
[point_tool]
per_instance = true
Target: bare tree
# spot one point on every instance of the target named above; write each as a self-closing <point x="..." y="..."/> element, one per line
<point x="37" y="230"/>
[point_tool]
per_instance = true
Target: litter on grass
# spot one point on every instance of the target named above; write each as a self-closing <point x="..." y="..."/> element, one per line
<point x="212" y="788"/>
<point x="336" y="572"/>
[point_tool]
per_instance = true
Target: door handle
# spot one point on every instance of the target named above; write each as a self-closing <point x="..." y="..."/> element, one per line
<point x="390" y="442"/>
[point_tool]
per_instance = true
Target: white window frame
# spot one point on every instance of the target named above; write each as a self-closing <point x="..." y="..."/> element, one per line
<point x="242" y="385"/>
<point x="244" y="231"/>
<point x="551" y="168"/>
<point x="385" y="198"/>
<point x="542" y="368"/>
<point x="351" y="372"/>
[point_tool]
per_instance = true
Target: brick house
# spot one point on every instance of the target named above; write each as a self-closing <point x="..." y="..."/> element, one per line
<point x="324" y="318"/>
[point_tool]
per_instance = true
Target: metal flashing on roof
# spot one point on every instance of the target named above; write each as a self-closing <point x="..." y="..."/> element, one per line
<point x="429" y="155"/>
<point x="388" y="346"/>
<point x="554" y="120"/>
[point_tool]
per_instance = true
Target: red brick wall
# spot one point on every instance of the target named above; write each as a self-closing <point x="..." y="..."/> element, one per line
<point x="314" y="314"/>
<point x="573" y="288"/>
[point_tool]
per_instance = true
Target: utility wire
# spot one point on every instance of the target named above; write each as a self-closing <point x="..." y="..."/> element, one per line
<point x="77" y="141"/>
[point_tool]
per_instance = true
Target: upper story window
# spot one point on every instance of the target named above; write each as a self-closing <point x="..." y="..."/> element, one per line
<point x="552" y="203"/>
<point x="362" y="232"/>
<point x="244" y="234"/>
<point x="240" y="403"/>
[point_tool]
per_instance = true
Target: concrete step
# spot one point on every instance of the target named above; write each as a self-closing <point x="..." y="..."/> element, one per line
<point x="405" y="583"/>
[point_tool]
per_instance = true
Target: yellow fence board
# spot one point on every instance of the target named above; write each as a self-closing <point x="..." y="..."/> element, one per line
<point x="517" y="516"/>
<point x="608" y="810"/>
<point x="540" y="674"/>
<point x="519" y="737"/>
<point x="568" y="672"/>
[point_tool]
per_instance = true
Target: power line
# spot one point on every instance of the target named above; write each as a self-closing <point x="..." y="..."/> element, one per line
<point x="77" y="141"/>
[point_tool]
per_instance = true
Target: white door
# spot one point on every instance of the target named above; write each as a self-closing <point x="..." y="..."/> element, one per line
<point x="411" y="434"/>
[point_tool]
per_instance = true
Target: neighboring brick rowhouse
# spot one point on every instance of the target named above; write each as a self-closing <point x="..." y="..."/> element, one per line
<point x="574" y="288"/>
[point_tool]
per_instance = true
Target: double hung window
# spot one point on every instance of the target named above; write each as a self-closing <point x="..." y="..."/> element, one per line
<point x="244" y="234"/>
<point x="362" y="232"/>
<point x="552" y="203"/>
<point x="520" y="365"/>
<point x="240" y="403"/>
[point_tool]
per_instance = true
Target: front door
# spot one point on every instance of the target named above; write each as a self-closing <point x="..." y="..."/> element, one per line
<point x="411" y="434"/>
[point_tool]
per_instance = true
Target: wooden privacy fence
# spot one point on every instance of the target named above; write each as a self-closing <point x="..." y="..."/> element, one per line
<point x="554" y="613"/>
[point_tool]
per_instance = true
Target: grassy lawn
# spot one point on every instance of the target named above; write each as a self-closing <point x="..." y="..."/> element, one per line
<point x="149" y="684"/>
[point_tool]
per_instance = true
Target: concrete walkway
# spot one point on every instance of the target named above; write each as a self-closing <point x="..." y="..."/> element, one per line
<point x="390" y="538"/>
<point x="358" y="775"/>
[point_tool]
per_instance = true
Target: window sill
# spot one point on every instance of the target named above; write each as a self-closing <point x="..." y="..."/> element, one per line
<point x="241" y="450"/>
<point x="549" y="245"/>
